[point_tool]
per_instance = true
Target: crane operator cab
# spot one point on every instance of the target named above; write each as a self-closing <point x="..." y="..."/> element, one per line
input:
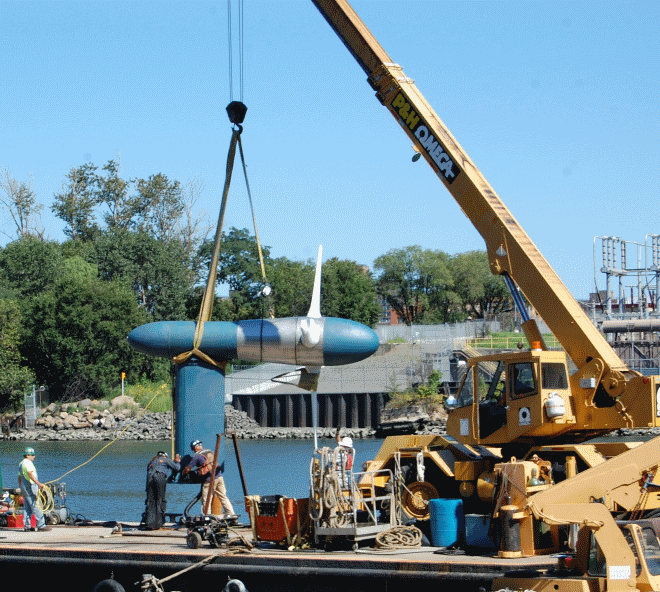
<point x="513" y="397"/>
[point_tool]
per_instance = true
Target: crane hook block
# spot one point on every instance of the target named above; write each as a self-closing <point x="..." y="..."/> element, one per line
<point x="236" y="111"/>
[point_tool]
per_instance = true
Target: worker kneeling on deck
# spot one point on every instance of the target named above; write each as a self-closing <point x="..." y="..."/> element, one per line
<point x="157" y="470"/>
<point x="201" y="464"/>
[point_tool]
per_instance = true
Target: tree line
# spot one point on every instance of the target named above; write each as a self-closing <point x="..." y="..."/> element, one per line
<point x="134" y="253"/>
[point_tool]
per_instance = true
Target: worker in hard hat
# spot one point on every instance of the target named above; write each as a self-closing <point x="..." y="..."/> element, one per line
<point x="202" y="465"/>
<point x="30" y="486"/>
<point x="344" y="454"/>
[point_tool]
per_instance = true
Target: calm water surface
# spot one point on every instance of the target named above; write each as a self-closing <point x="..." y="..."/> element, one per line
<point x="111" y="487"/>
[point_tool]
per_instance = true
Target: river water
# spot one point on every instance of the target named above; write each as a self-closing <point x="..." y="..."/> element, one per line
<point x="111" y="486"/>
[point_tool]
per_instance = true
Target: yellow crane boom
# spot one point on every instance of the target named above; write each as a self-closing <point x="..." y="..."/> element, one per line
<point x="510" y="249"/>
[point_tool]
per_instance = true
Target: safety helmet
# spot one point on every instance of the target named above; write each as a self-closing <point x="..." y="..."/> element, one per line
<point x="347" y="442"/>
<point x="29" y="451"/>
<point x="194" y="444"/>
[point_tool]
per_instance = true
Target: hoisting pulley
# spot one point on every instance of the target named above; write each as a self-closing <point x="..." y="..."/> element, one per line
<point x="236" y="111"/>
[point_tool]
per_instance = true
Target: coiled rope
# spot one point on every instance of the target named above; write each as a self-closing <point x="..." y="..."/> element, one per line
<point x="45" y="500"/>
<point x="331" y="499"/>
<point x="399" y="537"/>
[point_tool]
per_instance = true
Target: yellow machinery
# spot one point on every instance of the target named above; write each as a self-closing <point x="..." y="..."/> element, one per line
<point x="610" y="555"/>
<point x="513" y="404"/>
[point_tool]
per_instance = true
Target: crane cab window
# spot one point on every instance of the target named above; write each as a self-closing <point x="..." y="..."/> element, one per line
<point x="651" y="549"/>
<point x="492" y="401"/>
<point x="489" y="387"/>
<point x="597" y="566"/>
<point x="522" y="380"/>
<point x="465" y="395"/>
<point x="553" y="376"/>
<point x="495" y="384"/>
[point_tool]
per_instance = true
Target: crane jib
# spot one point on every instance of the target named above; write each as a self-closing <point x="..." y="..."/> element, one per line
<point x="422" y="132"/>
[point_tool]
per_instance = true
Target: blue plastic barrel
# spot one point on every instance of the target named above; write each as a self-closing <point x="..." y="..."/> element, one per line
<point x="447" y="522"/>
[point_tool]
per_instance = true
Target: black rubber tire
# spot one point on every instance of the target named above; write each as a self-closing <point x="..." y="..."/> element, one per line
<point x="108" y="586"/>
<point x="194" y="540"/>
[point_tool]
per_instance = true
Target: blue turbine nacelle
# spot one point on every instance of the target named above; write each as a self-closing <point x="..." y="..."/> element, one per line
<point x="310" y="341"/>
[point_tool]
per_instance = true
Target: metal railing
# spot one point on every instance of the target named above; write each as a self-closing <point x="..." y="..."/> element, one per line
<point x="508" y="342"/>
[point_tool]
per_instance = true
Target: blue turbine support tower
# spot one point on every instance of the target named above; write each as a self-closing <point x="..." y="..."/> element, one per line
<point x="199" y="405"/>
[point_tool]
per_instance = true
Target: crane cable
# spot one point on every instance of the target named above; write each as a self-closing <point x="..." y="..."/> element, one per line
<point x="240" y="98"/>
<point x="236" y="111"/>
<point x="230" y="42"/>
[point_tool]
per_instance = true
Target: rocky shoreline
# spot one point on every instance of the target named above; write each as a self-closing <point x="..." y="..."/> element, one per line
<point x="121" y="419"/>
<point x="111" y="424"/>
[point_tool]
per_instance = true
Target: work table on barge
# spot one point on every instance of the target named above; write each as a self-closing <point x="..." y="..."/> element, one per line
<point x="97" y="552"/>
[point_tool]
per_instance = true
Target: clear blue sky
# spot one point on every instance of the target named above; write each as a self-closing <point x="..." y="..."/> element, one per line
<point x="556" y="103"/>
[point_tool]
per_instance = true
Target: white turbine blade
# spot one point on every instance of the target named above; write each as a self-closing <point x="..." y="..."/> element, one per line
<point x="315" y="306"/>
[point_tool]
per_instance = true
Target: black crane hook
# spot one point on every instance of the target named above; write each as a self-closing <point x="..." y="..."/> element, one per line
<point x="236" y="111"/>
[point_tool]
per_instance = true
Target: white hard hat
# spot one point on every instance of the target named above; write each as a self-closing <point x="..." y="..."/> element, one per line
<point x="347" y="442"/>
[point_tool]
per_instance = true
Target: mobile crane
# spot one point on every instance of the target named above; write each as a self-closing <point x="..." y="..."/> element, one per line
<point x="525" y="404"/>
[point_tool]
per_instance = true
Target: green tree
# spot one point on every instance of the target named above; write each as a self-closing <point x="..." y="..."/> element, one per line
<point x="20" y="202"/>
<point x="481" y="293"/>
<point x="158" y="271"/>
<point x="416" y="283"/>
<point x="239" y="269"/>
<point x="292" y="283"/>
<point x="76" y="203"/>
<point x="155" y="206"/>
<point x="15" y="376"/>
<point x="75" y="333"/>
<point x="160" y="206"/>
<point x="348" y="291"/>
<point x="29" y="265"/>
<point x="239" y="261"/>
<point x="113" y="192"/>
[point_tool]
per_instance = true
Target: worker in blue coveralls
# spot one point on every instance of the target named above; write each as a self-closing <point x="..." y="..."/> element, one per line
<point x="157" y="472"/>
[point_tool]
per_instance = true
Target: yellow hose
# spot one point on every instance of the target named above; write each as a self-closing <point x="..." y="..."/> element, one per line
<point x="45" y="499"/>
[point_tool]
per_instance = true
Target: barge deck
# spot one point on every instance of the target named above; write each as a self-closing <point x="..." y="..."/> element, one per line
<point x="82" y="556"/>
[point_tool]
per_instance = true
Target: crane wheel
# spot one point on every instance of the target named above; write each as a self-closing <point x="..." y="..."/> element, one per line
<point x="415" y="498"/>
